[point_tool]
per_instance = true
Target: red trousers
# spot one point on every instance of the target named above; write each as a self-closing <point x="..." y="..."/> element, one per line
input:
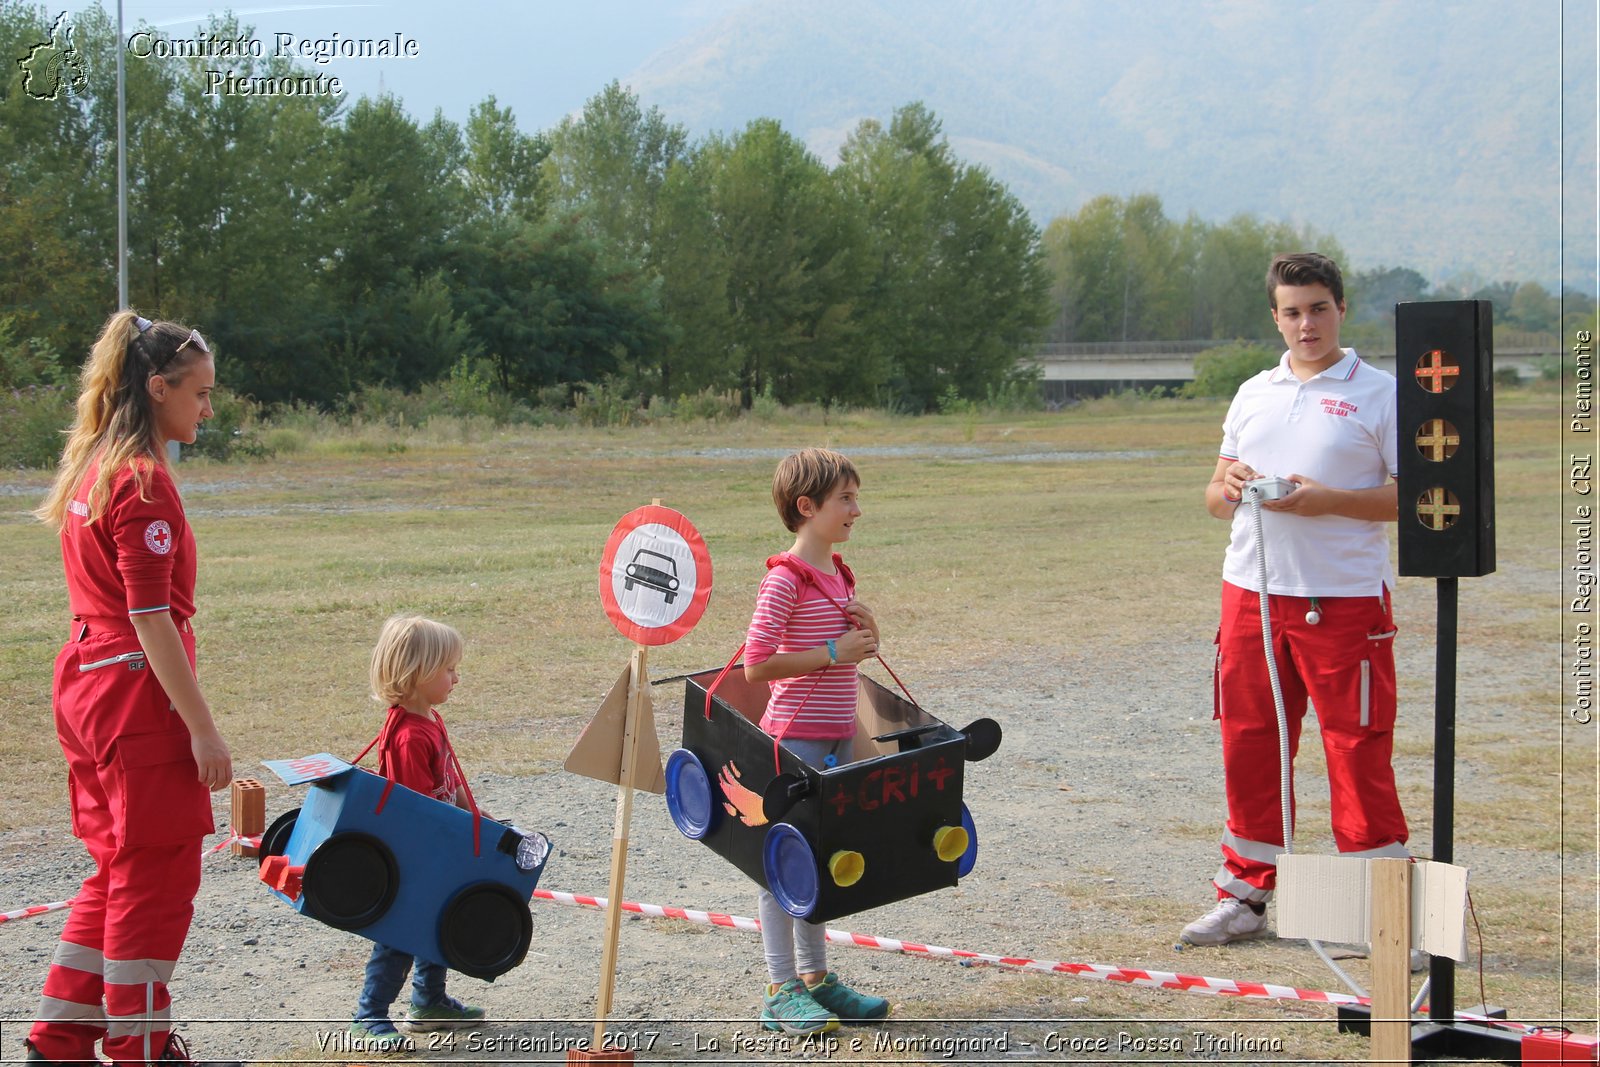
<point x="1345" y="665"/>
<point x="140" y="809"/>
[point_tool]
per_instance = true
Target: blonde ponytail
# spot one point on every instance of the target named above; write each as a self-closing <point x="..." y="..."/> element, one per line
<point x="115" y="423"/>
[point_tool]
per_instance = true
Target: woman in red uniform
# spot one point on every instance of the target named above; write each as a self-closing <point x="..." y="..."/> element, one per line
<point x="142" y="750"/>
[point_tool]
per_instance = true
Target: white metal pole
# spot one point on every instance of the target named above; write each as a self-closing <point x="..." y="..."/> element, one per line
<point x="122" y="171"/>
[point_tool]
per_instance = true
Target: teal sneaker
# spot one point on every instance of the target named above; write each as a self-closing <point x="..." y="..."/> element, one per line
<point x="848" y="1004"/>
<point x="377" y="1036"/>
<point x="448" y="1014"/>
<point x="789" y="1008"/>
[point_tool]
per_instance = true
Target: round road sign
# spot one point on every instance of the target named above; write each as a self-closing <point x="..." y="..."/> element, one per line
<point x="655" y="576"/>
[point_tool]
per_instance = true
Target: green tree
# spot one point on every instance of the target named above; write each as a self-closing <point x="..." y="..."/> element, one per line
<point x="1120" y="271"/>
<point x="1219" y="371"/>
<point x="1372" y="294"/>
<point x="897" y="176"/>
<point x="227" y="198"/>
<point x="956" y="288"/>
<point x="549" y="303"/>
<point x="700" y="352"/>
<point x="791" y="242"/>
<point x="1228" y="279"/>
<point x="395" y="202"/>
<point x="502" y="163"/>
<point x="610" y="164"/>
<point x="57" y="185"/>
<point x="1534" y="308"/>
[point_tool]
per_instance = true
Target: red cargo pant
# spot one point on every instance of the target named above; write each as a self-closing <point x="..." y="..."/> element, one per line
<point x="1345" y="665"/>
<point x="140" y="809"/>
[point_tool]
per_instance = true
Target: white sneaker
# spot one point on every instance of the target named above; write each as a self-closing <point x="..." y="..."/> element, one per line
<point x="1231" y="920"/>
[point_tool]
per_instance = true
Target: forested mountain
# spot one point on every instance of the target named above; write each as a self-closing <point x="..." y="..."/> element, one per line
<point x="1422" y="133"/>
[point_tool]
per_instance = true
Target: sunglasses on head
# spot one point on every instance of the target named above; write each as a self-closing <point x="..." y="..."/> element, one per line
<point x="195" y="339"/>
<point x="143" y="325"/>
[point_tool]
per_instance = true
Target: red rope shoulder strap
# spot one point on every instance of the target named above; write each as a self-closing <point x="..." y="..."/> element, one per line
<point x="804" y="577"/>
<point x="850" y="585"/>
<point x="801" y="576"/>
<point x="389" y="723"/>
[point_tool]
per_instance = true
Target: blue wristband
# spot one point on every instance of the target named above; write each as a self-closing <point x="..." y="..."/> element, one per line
<point x="833" y="652"/>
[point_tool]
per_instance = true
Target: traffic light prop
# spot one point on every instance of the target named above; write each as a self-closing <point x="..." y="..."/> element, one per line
<point x="1444" y="366"/>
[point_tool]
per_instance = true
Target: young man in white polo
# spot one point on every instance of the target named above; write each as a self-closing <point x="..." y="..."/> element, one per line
<point x="1325" y="420"/>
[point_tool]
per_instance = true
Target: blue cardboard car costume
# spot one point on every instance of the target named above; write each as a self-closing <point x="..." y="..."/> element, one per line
<point x="428" y="878"/>
<point x="827" y="841"/>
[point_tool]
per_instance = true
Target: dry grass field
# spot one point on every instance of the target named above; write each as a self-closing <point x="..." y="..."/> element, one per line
<point x="1033" y="551"/>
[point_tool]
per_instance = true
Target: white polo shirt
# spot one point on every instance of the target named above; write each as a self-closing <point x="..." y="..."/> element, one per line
<point x="1337" y="428"/>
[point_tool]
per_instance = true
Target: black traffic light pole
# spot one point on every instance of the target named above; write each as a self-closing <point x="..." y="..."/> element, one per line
<point x="1442" y="970"/>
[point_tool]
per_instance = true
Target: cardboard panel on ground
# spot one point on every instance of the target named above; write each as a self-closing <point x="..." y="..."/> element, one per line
<point x="827" y="841"/>
<point x="380" y="860"/>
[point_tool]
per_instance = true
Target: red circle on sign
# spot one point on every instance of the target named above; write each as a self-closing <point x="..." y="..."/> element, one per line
<point x="651" y="580"/>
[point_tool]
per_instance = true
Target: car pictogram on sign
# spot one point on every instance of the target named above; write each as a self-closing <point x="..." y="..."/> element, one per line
<point x="653" y="570"/>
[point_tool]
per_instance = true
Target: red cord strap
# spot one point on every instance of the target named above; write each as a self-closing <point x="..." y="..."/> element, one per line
<point x="804" y="577"/>
<point x="461" y="775"/>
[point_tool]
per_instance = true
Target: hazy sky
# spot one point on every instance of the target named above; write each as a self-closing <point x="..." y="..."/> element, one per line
<point x="541" y="58"/>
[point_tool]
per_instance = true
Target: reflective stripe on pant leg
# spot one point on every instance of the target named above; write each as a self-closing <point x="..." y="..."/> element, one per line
<point x="71" y="1008"/>
<point x="1248" y="867"/>
<point x="1250" y="736"/>
<point x="151" y="904"/>
<point x="137" y="1004"/>
<point x="1225" y="881"/>
<point x="73" y="988"/>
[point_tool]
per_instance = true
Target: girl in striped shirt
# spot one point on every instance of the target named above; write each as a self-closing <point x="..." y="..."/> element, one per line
<point x="806" y="636"/>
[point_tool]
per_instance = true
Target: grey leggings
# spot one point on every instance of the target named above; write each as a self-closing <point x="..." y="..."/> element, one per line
<point x="793" y="946"/>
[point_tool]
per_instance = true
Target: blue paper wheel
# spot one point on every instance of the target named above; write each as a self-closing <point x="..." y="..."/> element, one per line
<point x="969" y="858"/>
<point x="791" y="869"/>
<point x="690" y="801"/>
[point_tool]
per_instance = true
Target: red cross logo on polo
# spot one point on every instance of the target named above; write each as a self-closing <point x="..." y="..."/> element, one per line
<point x="158" y="537"/>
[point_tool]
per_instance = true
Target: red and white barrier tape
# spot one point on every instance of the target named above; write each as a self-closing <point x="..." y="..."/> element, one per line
<point x="37" y="909"/>
<point x="253" y="840"/>
<point x="1188" y="983"/>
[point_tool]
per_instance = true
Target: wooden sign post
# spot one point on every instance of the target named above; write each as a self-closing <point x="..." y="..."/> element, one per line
<point x="638" y="707"/>
<point x="1391" y="961"/>
<point x="655" y="582"/>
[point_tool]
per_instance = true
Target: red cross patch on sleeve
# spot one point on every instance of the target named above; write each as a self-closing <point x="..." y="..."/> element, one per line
<point x="158" y="537"/>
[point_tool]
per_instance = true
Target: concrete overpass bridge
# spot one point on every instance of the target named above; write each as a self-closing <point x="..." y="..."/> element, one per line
<point x="1089" y="368"/>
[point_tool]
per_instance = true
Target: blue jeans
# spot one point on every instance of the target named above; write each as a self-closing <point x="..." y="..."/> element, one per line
<point x="386" y="973"/>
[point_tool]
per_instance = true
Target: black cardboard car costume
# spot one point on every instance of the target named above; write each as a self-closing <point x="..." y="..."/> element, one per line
<point x="370" y="856"/>
<point x="827" y="841"/>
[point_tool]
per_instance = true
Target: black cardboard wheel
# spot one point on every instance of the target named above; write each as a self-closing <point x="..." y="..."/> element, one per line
<point x="350" y="880"/>
<point x="275" y="840"/>
<point x="485" y="930"/>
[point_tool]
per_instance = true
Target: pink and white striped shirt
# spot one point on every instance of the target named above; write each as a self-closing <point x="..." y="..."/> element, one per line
<point x="794" y="615"/>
